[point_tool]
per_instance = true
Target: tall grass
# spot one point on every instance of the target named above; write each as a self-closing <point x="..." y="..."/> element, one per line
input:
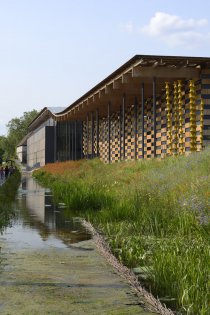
<point x="155" y="215"/>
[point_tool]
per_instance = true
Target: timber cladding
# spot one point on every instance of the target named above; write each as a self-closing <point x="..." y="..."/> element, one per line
<point x="152" y="106"/>
<point x="205" y="95"/>
<point x="120" y="135"/>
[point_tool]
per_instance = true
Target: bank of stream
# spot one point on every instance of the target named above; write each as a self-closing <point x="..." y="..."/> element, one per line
<point x="50" y="265"/>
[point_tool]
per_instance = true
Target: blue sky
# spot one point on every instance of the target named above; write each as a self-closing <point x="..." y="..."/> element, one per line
<point x="53" y="51"/>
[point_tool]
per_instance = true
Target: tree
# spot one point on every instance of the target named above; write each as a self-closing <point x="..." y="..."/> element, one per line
<point x="17" y="130"/>
<point x="2" y="141"/>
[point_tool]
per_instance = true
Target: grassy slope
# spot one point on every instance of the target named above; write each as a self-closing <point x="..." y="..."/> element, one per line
<point x="155" y="215"/>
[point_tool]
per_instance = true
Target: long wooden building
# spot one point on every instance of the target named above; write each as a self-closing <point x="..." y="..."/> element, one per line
<point x="152" y="106"/>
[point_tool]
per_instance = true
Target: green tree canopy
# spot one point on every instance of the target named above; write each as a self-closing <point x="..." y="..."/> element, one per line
<point x="17" y="130"/>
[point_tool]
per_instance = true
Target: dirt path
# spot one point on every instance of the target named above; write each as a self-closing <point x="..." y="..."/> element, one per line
<point x="61" y="281"/>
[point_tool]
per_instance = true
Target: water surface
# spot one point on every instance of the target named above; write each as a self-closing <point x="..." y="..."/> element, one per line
<point x="39" y="223"/>
<point x="50" y="265"/>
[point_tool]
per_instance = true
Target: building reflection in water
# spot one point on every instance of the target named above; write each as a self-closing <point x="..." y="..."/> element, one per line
<point x="42" y="214"/>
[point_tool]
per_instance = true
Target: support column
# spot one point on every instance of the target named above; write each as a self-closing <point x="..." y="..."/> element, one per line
<point x="55" y="140"/>
<point x="92" y="135"/>
<point x="75" y="140"/>
<point x="66" y="138"/>
<point x="142" y="118"/>
<point x="120" y="131"/>
<point x="154" y="114"/>
<point x="87" y="135"/>
<point x="72" y="140"/>
<point x="69" y="141"/>
<point x="135" y="128"/>
<point x="97" y="133"/>
<point x="109" y="125"/>
<point x="123" y="126"/>
<point x="81" y="140"/>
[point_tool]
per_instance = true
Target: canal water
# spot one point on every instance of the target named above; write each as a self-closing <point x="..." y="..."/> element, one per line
<point x="49" y="264"/>
<point x="39" y="223"/>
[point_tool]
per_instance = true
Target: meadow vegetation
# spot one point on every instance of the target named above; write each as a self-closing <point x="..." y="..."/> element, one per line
<point x="155" y="216"/>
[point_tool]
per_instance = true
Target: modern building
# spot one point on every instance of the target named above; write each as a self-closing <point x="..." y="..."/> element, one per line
<point x="21" y="150"/>
<point x="152" y="106"/>
<point x="41" y="139"/>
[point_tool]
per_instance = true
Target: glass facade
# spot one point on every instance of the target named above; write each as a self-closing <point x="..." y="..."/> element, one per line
<point x="69" y="140"/>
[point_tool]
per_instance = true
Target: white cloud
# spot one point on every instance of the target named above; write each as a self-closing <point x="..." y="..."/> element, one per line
<point x="163" y="23"/>
<point x="176" y="31"/>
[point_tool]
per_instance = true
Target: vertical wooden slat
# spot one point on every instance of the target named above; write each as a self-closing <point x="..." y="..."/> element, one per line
<point x="142" y="118"/>
<point x="92" y="135"/>
<point x="135" y="128"/>
<point x="55" y="140"/>
<point x="120" y="131"/>
<point x="123" y="126"/>
<point x="109" y="125"/>
<point x="66" y="140"/>
<point x="82" y="140"/>
<point x="87" y="134"/>
<point x="72" y="140"/>
<point x="75" y="140"/>
<point x="154" y="114"/>
<point x="97" y="133"/>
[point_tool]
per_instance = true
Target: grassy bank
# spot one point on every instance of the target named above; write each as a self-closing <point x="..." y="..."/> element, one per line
<point x="155" y="216"/>
<point x="7" y="196"/>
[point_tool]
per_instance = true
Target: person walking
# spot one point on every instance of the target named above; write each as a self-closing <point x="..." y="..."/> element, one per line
<point x="6" y="171"/>
<point x="2" y="172"/>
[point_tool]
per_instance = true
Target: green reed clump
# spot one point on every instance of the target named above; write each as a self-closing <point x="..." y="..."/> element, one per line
<point x="80" y="197"/>
<point x="174" y="268"/>
<point x="77" y="194"/>
<point x="180" y="270"/>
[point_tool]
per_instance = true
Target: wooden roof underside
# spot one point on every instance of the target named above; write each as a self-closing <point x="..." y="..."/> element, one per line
<point x="128" y="80"/>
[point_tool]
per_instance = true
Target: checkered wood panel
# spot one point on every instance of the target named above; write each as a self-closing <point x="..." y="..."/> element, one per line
<point x="95" y="138"/>
<point x="149" y="132"/>
<point x="158" y="127"/>
<point x="139" y="132"/>
<point x="186" y="111"/>
<point x="198" y="102"/>
<point x="205" y="94"/>
<point x="116" y="132"/>
<point x="115" y="137"/>
<point x="87" y="133"/>
<point x="129" y="134"/>
<point x="163" y="122"/>
<point x="103" y="140"/>
<point x="84" y="138"/>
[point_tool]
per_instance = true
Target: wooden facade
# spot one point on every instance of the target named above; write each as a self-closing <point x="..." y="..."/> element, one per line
<point x="129" y="132"/>
<point x="152" y="106"/>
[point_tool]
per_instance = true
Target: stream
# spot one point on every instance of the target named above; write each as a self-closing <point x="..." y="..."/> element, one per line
<point x="50" y="264"/>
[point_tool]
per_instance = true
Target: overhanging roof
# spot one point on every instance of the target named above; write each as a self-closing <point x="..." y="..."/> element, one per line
<point x="128" y="79"/>
<point x="43" y="115"/>
<point x="23" y="142"/>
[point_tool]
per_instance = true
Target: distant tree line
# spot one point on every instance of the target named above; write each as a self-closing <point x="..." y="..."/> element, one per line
<point x="17" y="130"/>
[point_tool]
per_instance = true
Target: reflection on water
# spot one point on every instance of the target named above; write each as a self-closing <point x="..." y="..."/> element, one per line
<point x="39" y="223"/>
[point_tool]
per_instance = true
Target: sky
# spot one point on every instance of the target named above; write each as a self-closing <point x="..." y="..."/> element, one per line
<point x="54" y="51"/>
